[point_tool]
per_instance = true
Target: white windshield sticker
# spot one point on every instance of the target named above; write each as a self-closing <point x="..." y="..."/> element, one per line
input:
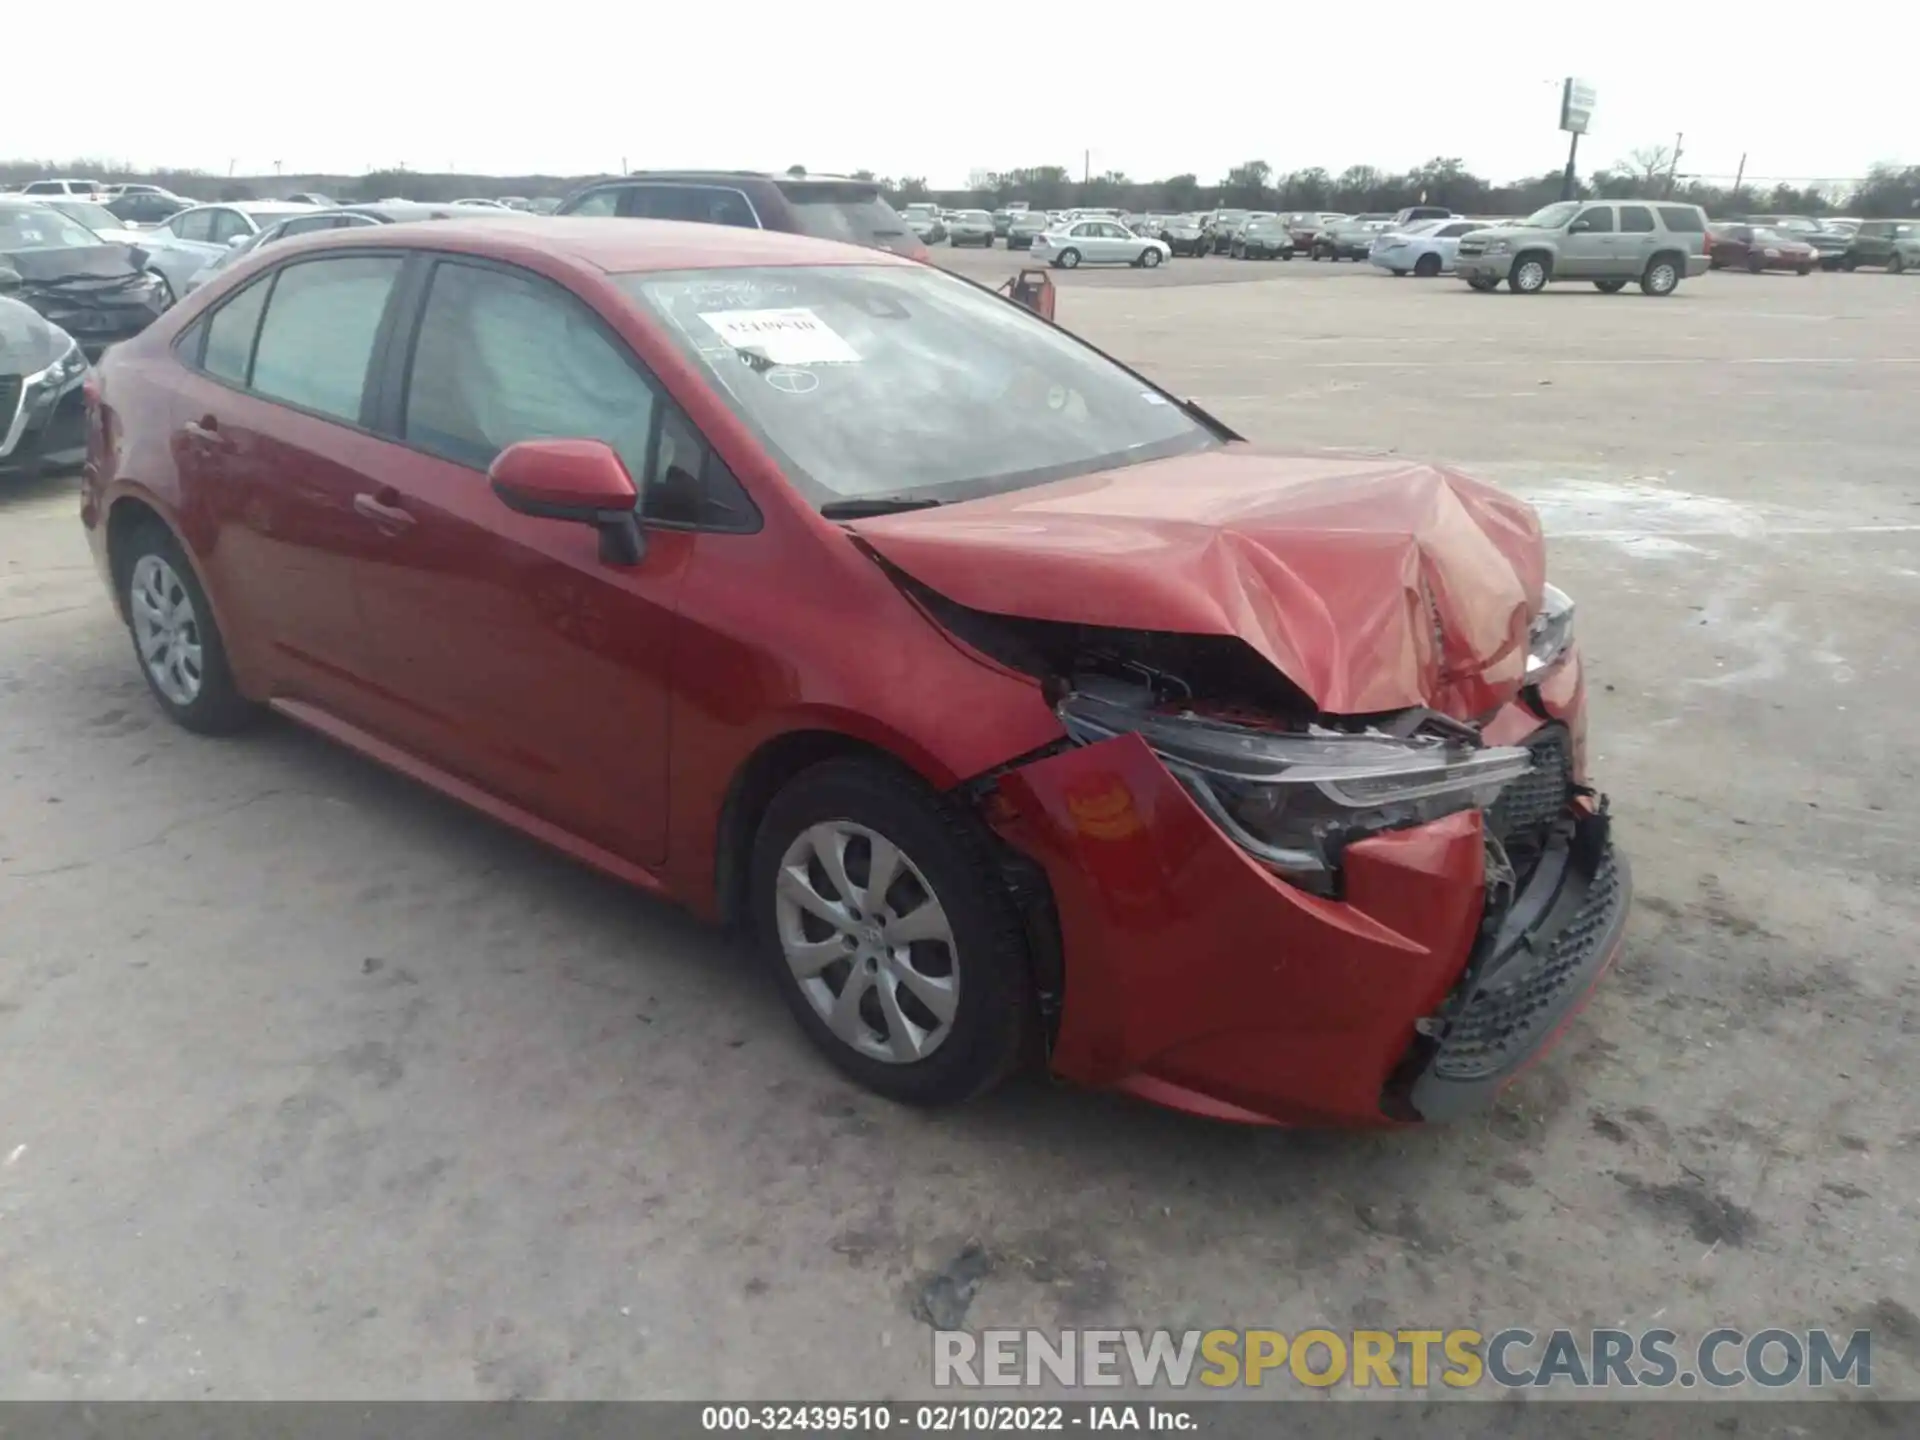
<point x="794" y="336"/>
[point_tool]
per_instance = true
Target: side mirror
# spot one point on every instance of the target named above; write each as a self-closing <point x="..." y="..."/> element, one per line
<point x="235" y="242"/>
<point x="1580" y="227"/>
<point x="579" y="480"/>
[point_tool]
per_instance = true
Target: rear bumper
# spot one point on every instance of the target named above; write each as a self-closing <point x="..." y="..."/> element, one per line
<point x="1197" y="979"/>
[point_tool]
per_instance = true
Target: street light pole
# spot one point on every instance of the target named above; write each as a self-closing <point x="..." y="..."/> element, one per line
<point x="1567" y="180"/>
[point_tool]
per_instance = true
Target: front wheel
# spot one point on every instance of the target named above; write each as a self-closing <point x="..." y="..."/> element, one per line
<point x="892" y="935"/>
<point x="1803" y="269"/>
<point x="1662" y="276"/>
<point x="1483" y="283"/>
<point x="1069" y="259"/>
<point x="1756" y="263"/>
<point x="1150" y="257"/>
<point x="1528" y="276"/>
<point x="1609" y="287"/>
<point x="1896" y="263"/>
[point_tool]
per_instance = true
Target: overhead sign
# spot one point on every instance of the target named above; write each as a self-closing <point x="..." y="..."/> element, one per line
<point x="1576" y="105"/>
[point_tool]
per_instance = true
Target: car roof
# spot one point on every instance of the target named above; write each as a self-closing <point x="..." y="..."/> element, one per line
<point x="615" y="246"/>
<point x="255" y="207"/>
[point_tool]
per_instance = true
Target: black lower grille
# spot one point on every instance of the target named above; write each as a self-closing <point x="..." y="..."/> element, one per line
<point x="1539" y="797"/>
<point x="1507" y="1017"/>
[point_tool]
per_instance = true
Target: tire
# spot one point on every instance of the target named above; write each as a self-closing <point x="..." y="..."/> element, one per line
<point x="1399" y="274"/>
<point x="1069" y="259"/>
<point x="975" y="967"/>
<point x="1287" y="254"/>
<point x="181" y="654"/>
<point x="1427" y="266"/>
<point x="1485" y="284"/>
<point x="1662" y="276"/>
<point x="1756" y="263"/>
<point x="1849" y="263"/>
<point x="1151" y="256"/>
<point x="1529" y="275"/>
<point x="1609" y="287"/>
<point x="1896" y="263"/>
<point x="1803" y="269"/>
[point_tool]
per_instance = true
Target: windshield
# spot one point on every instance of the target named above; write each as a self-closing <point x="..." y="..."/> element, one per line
<point x="853" y="213"/>
<point x="1767" y="235"/>
<point x="975" y="217"/>
<point x="1552" y="217"/>
<point x="41" y="227"/>
<point x="94" y="217"/>
<point x="1420" y="227"/>
<point x="902" y="380"/>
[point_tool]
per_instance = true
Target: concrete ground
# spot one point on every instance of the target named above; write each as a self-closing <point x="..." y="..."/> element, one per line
<point x="312" y="1084"/>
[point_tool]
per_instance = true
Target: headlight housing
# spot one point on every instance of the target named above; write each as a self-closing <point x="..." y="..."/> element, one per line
<point x="1551" y="632"/>
<point x="1295" y="799"/>
<point x="1499" y="247"/>
<point x="64" y="371"/>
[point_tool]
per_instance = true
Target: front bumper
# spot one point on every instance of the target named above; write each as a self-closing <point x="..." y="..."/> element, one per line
<point x="1197" y="979"/>
<point x="1482" y="267"/>
<point x="41" y="426"/>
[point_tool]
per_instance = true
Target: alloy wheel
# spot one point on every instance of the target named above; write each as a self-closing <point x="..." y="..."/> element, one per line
<point x="867" y="941"/>
<point x="166" y="629"/>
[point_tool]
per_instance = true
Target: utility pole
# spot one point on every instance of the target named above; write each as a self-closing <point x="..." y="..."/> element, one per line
<point x="1741" y="173"/>
<point x="1086" y="166"/>
<point x="1673" y="167"/>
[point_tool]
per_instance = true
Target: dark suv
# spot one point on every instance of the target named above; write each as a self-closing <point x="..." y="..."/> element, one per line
<point x="1892" y="243"/>
<point x="828" y="207"/>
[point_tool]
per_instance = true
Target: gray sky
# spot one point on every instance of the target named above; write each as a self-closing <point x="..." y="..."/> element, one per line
<point x="940" y="88"/>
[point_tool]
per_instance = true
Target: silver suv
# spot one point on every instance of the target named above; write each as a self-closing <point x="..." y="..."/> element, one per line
<point x="1609" y="242"/>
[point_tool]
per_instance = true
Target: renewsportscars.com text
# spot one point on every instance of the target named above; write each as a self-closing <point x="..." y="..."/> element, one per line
<point x="1512" y="1358"/>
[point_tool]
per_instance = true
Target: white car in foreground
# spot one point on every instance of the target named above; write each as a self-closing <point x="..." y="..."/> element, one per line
<point x="1097" y="242"/>
<point x="1426" y="247"/>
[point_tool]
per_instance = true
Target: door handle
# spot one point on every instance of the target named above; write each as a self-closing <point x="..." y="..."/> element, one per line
<point x="389" y="518"/>
<point x="206" y="431"/>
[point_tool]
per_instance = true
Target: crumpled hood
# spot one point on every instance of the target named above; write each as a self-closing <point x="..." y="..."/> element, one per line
<point x="105" y="261"/>
<point x="1371" y="584"/>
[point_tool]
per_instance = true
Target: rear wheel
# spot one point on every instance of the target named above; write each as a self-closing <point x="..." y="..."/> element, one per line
<point x="1849" y="263"/>
<point x="182" y="656"/>
<point x="1803" y="269"/>
<point x="1427" y="266"/>
<point x="1662" y="276"/>
<point x="1896" y="263"/>
<point x="1069" y="259"/>
<point x="891" y="934"/>
<point x="1756" y="263"/>
<point x="1609" y="287"/>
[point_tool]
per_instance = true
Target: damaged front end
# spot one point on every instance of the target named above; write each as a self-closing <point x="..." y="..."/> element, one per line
<point x="1269" y="913"/>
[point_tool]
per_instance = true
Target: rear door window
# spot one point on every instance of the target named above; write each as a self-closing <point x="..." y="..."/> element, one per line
<point x="230" y="332"/>
<point x="317" y="339"/>
<point x="1636" y="219"/>
<point x="854" y="214"/>
<point x="194" y="225"/>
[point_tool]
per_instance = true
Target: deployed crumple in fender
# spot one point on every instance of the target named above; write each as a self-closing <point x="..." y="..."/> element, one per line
<point x="1373" y="585"/>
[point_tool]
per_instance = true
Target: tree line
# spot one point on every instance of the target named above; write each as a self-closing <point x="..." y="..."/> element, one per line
<point x="1889" y="190"/>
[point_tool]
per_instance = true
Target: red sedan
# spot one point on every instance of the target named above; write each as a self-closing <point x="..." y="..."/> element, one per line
<point x="1019" y="708"/>
<point x="1756" y="248"/>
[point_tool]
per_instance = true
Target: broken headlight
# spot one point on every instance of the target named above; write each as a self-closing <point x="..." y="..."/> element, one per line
<point x="1295" y="799"/>
<point x="1551" y="632"/>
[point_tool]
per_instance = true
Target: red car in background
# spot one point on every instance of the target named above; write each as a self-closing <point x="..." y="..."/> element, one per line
<point x="1019" y="707"/>
<point x="1757" y="248"/>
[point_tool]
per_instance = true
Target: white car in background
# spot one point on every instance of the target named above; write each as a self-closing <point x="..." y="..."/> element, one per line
<point x="180" y="248"/>
<point x="1097" y="242"/>
<point x="1426" y="247"/>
